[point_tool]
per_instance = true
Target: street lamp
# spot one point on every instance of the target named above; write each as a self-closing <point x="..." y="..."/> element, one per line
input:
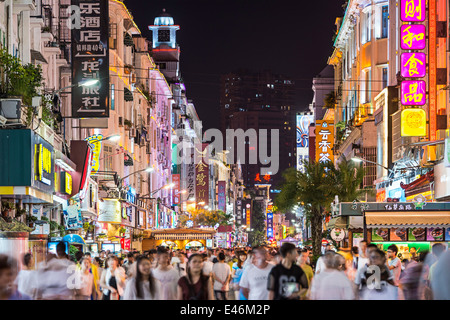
<point x="87" y="83"/>
<point x="357" y="159"/>
<point x="149" y="169"/>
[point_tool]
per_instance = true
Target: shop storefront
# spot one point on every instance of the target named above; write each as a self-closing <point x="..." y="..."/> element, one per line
<point x="179" y="238"/>
<point x="418" y="228"/>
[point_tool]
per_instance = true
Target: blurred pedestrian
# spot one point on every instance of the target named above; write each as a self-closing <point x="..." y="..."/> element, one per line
<point x="57" y="278"/>
<point x="8" y="274"/>
<point x="236" y="273"/>
<point x="332" y="283"/>
<point x="194" y="285"/>
<point x="412" y="282"/>
<point x="253" y="282"/>
<point x="181" y="265"/>
<point x="26" y="279"/>
<point x="221" y="274"/>
<point x="87" y="288"/>
<point x="440" y="278"/>
<point x="166" y="275"/>
<point x="142" y="286"/>
<point x="374" y="280"/>
<point x="113" y="280"/>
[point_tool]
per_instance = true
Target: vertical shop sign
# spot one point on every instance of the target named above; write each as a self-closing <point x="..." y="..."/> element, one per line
<point x="324" y="141"/>
<point x="90" y="60"/>
<point x="221" y="195"/>
<point x="202" y="178"/>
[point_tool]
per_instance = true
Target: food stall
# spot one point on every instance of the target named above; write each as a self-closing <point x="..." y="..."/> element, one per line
<point x="181" y="238"/>
<point x="408" y="225"/>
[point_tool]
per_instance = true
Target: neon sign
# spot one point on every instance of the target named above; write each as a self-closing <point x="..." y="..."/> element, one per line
<point x="412" y="10"/>
<point x="413" y="64"/>
<point x="413" y="93"/>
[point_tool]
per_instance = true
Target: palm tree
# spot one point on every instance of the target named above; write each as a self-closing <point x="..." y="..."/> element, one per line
<point x="348" y="178"/>
<point x="311" y="188"/>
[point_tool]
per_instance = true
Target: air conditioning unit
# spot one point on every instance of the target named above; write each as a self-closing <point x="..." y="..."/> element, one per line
<point x="132" y="133"/>
<point x="120" y="121"/>
<point x="12" y="110"/>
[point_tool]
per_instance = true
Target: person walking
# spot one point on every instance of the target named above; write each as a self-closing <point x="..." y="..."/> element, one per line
<point x="287" y="281"/>
<point x="379" y="287"/>
<point x="236" y="273"/>
<point x="221" y="274"/>
<point x="8" y="274"/>
<point x="332" y="283"/>
<point x="394" y="263"/>
<point x="113" y="280"/>
<point x="167" y="276"/>
<point x="207" y="265"/>
<point x="26" y="279"/>
<point x="254" y="278"/>
<point x="302" y="262"/>
<point x="87" y="287"/>
<point x="194" y="285"/>
<point x="142" y="286"/>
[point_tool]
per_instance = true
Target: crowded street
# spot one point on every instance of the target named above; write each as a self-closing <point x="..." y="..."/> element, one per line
<point x="242" y="151"/>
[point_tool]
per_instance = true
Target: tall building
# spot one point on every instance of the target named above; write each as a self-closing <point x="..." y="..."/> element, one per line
<point x="260" y="100"/>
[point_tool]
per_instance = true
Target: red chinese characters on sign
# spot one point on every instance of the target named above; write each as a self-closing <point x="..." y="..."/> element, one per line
<point x="125" y="244"/>
<point x="266" y="178"/>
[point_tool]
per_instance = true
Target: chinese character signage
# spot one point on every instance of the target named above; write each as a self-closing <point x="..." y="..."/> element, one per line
<point x="248" y="214"/>
<point x="413" y="65"/>
<point x="269" y="222"/>
<point x="96" y="143"/>
<point x="413" y="37"/>
<point x="90" y="60"/>
<point x="221" y="185"/>
<point x="44" y="165"/>
<point x="176" y="189"/>
<point x="413" y="123"/>
<point x="324" y="141"/>
<point x="303" y="123"/>
<point x="191" y="178"/>
<point x="202" y="178"/>
<point x="413" y="93"/>
<point x="412" y="10"/>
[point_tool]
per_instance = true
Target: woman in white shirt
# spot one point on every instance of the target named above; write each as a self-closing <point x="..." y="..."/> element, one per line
<point x="113" y="280"/>
<point x="26" y="279"/>
<point x="87" y="281"/>
<point x="143" y="286"/>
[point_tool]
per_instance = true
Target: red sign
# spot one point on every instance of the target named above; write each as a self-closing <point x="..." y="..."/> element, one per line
<point x="125" y="244"/>
<point x="202" y="178"/>
<point x="222" y="195"/>
<point x="176" y="189"/>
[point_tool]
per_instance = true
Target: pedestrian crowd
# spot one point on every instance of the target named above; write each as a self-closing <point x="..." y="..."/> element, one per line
<point x="261" y="273"/>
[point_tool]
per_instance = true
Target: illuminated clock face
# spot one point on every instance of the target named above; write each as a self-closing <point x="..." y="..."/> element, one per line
<point x="163" y="35"/>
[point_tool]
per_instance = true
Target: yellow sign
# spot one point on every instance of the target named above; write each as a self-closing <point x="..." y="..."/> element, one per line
<point x="44" y="163"/>
<point x="67" y="183"/>
<point x="324" y="141"/>
<point x="413" y="123"/>
<point x="96" y="142"/>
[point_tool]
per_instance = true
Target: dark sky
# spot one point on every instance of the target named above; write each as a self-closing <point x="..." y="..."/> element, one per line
<point x="291" y="37"/>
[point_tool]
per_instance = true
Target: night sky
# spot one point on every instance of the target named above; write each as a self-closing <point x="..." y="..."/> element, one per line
<point x="290" y="37"/>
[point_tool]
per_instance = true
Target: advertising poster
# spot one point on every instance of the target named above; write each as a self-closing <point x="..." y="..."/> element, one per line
<point x="357" y="238"/>
<point x="399" y="234"/>
<point x="110" y="211"/>
<point x="380" y="234"/>
<point x="72" y="215"/>
<point x="303" y="123"/>
<point x="417" y="234"/>
<point x="435" y="234"/>
<point x="447" y="234"/>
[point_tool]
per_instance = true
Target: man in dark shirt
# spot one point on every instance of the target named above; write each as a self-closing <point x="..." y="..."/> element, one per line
<point x="287" y="281"/>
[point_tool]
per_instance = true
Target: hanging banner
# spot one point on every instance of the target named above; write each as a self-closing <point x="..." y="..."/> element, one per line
<point x="96" y="144"/>
<point x="109" y="211"/>
<point x="202" y="178"/>
<point x="221" y="185"/>
<point x="176" y="189"/>
<point x="303" y="123"/>
<point x="90" y="59"/>
<point x="324" y="141"/>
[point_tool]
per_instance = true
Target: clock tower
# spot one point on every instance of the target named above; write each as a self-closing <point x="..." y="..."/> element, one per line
<point x="165" y="51"/>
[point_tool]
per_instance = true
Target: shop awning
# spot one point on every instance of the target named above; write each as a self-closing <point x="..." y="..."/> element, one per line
<point x="408" y="218"/>
<point x="355" y="222"/>
<point x="337" y="222"/>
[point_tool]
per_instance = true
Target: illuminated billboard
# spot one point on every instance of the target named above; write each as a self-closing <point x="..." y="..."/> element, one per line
<point x="303" y="123"/>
